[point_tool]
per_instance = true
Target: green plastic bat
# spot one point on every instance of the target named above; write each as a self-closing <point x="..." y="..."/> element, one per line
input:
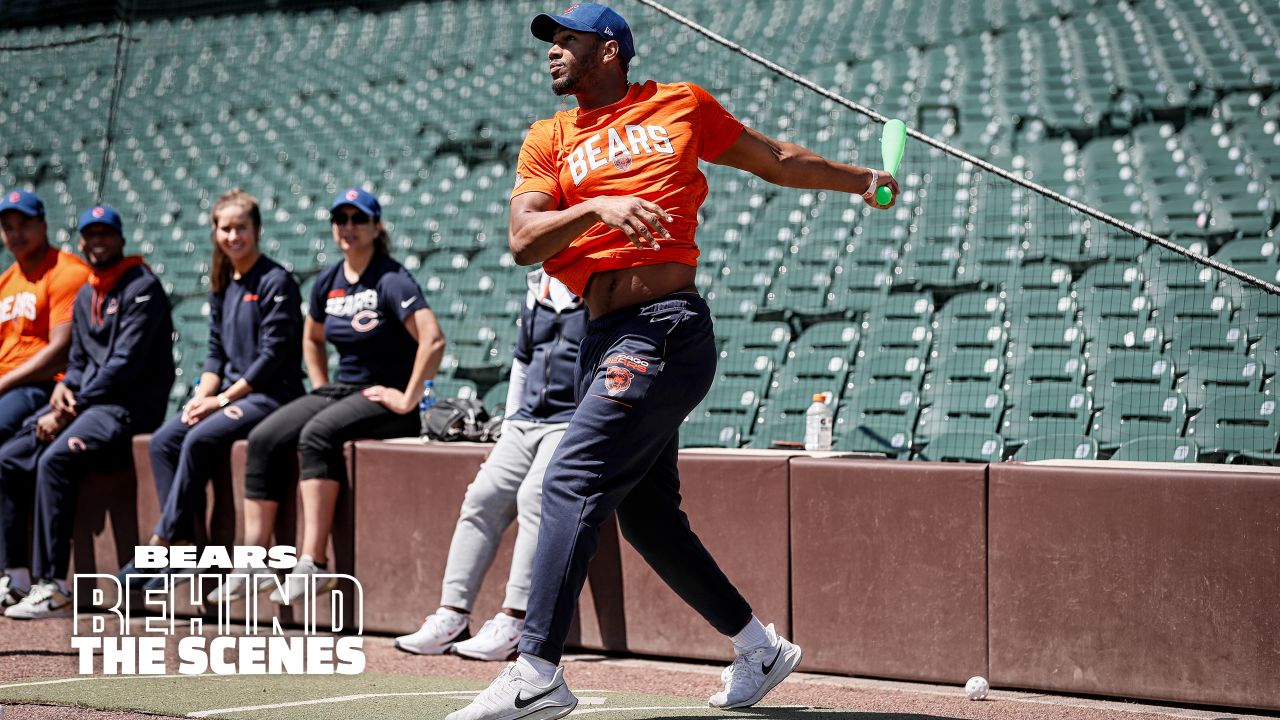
<point x="893" y="142"/>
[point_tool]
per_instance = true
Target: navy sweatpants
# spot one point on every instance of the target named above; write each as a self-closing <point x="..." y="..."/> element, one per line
<point x="18" y="404"/>
<point x="183" y="458"/>
<point x="641" y="370"/>
<point x="97" y="438"/>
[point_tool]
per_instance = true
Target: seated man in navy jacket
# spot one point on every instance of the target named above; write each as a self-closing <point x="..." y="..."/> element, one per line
<point x="117" y="384"/>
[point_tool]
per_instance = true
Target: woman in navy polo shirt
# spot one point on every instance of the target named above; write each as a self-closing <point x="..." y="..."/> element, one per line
<point x="388" y="343"/>
<point x="253" y="367"/>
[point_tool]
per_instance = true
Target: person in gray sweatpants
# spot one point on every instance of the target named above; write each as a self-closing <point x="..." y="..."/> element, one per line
<point x="540" y="401"/>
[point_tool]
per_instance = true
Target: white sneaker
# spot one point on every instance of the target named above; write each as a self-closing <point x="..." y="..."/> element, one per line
<point x="512" y="697"/>
<point x="756" y="672"/>
<point x="235" y="584"/>
<point x="9" y="595"/>
<point x="295" y="583"/>
<point x="44" y="601"/>
<point x="438" y="633"/>
<point x="496" y="640"/>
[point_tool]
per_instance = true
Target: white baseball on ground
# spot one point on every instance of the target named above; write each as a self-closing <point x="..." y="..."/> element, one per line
<point x="977" y="688"/>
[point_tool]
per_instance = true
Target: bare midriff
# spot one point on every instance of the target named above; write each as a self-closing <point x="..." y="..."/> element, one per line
<point x="616" y="289"/>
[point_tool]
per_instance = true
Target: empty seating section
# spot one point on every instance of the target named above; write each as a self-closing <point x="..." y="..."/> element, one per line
<point x="975" y="321"/>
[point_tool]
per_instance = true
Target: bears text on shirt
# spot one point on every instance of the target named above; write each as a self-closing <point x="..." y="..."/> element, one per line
<point x="21" y="305"/>
<point x="589" y="155"/>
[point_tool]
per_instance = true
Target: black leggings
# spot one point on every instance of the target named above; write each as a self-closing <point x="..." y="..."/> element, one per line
<point x="316" y="426"/>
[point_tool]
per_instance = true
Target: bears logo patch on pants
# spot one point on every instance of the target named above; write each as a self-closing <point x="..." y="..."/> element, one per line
<point x="617" y="380"/>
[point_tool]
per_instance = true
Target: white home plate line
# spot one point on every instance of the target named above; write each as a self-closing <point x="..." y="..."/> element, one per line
<point x="337" y="699"/>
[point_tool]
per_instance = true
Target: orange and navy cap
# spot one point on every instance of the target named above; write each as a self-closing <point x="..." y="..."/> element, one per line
<point x="587" y="17"/>
<point x="27" y="203"/>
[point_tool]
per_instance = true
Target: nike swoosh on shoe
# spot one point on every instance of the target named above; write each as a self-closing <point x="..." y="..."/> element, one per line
<point x="522" y="703"/>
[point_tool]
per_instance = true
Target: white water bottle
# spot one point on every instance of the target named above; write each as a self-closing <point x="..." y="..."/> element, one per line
<point x="817" y="424"/>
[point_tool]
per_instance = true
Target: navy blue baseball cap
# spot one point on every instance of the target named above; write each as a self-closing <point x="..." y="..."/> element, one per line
<point x="587" y="17"/>
<point x="104" y="214"/>
<point x="27" y="203"/>
<point x="360" y="199"/>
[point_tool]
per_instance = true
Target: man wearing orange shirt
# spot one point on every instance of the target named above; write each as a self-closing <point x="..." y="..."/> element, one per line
<point x="36" y="294"/>
<point x="606" y="197"/>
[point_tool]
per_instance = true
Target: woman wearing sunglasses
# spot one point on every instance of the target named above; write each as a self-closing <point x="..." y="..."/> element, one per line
<point x="255" y="329"/>
<point x="388" y="341"/>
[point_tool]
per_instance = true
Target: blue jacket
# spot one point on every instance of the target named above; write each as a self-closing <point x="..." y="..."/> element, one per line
<point x="548" y="347"/>
<point x="255" y="331"/>
<point x="122" y="347"/>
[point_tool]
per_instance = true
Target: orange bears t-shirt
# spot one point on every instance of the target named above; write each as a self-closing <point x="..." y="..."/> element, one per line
<point x="30" y="305"/>
<point x="647" y="145"/>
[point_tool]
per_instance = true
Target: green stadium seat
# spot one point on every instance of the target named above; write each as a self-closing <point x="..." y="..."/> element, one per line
<point x="987" y="335"/>
<point x="975" y="447"/>
<point x="772" y="338"/>
<point x="1043" y="304"/>
<point x="819" y="363"/>
<point x="1052" y="334"/>
<point x="915" y="336"/>
<point x="1056" y="366"/>
<point x="973" y="306"/>
<point x="965" y="367"/>
<point x="886" y="436"/>
<point x="1129" y="369"/>
<point x="1137" y="413"/>
<point x="859" y="289"/>
<point x="832" y="335"/>
<point x="727" y="304"/>
<point x="961" y="408"/>
<point x="1182" y="307"/>
<point x="1064" y="446"/>
<point x="1207" y="336"/>
<point x="782" y="418"/>
<point x="1241" y="425"/>
<point x="899" y="367"/>
<point x="913" y="307"/>
<point x="746" y="363"/>
<point x="1113" y="275"/>
<point x="495" y="398"/>
<point x="732" y="402"/>
<point x="1158" y="449"/>
<point x="1103" y="308"/>
<point x="1043" y="276"/>
<point x="1125" y="336"/>
<point x="706" y="431"/>
<point x="1046" y="409"/>
<point x="455" y="388"/>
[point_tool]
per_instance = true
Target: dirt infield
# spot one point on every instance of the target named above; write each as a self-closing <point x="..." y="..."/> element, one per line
<point x="34" y="650"/>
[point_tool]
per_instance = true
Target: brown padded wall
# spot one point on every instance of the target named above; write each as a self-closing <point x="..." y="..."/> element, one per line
<point x="888" y="565"/>
<point x="1157" y="584"/>
<point x="405" y="514"/>
<point x="738" y="507"/>
<point x="406" y="510"/>
<point x="106" y="523"/>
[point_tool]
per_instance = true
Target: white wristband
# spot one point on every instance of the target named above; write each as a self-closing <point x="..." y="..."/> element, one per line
<point x="875" y="184"/>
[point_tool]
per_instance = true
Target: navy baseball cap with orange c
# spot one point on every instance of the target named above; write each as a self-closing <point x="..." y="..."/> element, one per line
<point x="587" y="17"/>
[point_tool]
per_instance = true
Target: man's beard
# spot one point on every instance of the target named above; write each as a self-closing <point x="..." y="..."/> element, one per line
<point x="570" y="82"/>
